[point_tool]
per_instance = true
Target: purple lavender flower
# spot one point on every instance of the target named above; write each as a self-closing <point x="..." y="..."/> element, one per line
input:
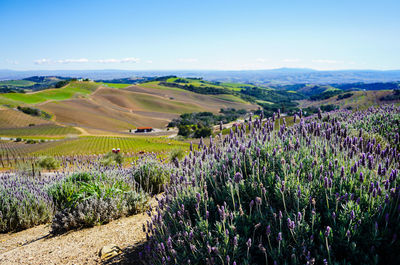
<point x="268" y="230"/>
<point x="327" y="231"/>
<point x="279" y="237"/>
<point x="238" y="177"/>
<point x="248" y="243"/>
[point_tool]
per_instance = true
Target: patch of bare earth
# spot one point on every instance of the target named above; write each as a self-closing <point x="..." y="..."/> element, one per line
<point x="37" y="246"/>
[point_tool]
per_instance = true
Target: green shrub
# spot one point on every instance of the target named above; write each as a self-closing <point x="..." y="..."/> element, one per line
<point x="112" y="158"/>
<point x="98" y="210"/>
<point x="175" y="155"/>
<point x="48" y="162"/>
<point x="152" y="174"/>
<point x="88" y="199"/>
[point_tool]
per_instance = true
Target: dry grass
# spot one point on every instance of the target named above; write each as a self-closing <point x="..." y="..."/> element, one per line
<point x="206" y="102"/>
<point x="10" y="118"/>
<point x="118" y="110"/>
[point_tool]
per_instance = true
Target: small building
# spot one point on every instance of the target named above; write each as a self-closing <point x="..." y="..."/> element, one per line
<point x="143" y="129"/>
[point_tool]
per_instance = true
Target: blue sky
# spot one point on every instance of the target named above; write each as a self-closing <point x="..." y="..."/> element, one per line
<point x="216" y="34"/>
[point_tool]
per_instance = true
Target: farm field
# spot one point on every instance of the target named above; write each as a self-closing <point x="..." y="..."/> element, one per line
<point x="88" y="145"/>
<point x="45" y="130"/>
<point x="11" y="118"/>
<point x="126" y="108"/>
<point x="101" y="145"/>
<point x="74" y="89"/>
<point x="209" y="102"/>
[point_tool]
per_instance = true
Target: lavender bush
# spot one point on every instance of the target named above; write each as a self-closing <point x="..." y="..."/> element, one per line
<point x="96" y="196"/>
<point x="24" y="201"/>
<point x="312" y="193"/>
<point x="152" y="173"/>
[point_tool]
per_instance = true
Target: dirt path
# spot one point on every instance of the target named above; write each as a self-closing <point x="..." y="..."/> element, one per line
<point x="36" y="246"/>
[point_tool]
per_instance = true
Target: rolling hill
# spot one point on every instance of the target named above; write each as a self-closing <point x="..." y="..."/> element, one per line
<point x="114" y="107"/>
<point x="358" y="100"/>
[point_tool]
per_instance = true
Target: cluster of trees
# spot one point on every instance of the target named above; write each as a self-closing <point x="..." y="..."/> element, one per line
<point x="345" y="95"/>
<point x="38" y="83"/>
<point x="324" y="108"/>
<point x="61" y="83"/>
<point x="326" y="94"/>
<point x="34" y="112"/>
<point x="208" y="90"/>
<point x="194" y="131"/>
<point x="198" y="124"/>
<point x="11" y="89"/>
<point x="369" y="86"/>
<point x="394" y="96"/>
<point x="277" y="99"/>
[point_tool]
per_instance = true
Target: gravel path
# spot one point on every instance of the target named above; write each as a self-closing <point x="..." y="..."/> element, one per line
<point x="36" y="246"/>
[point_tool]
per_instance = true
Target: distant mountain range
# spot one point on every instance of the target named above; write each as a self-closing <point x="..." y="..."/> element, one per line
<point x="280" y="76"/>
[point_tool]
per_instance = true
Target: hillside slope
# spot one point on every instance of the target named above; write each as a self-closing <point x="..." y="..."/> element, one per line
<point x="359" y="99"/>
<point x="121" y="109"/>
<point x="93" y="106"/>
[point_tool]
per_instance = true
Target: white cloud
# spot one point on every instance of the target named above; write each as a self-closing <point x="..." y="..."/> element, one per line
<point x="292" y="60"/>
<point x="124" y="60"/>
<point x="187" y="60"/>
<point x="43" y="61"/>
<point x="149" y="61"/>
<point x="82" y="60"/>
<point x="326" y="61"/>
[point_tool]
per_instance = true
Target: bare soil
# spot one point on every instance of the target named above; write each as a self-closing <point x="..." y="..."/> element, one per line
<point x="37" y="246"/>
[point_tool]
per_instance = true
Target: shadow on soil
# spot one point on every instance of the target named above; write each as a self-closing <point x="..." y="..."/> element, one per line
<point x="129" y="255"/>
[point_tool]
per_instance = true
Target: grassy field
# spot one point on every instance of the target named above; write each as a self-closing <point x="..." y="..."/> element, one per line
<point x="74" y="89"/>
<point x="198" y="83"/>
<point x="16" y="83"/>
<point x="204" y="83"/>
<point x="114" y="85"/>
<point x="39" y="130"/>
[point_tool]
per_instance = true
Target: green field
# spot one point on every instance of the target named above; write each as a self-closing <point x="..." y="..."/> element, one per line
<point x="155" y="85"/>
<point x="102" y="144"/>
<point x="114" y="85"/>
<point x="204" y="83"/>
<point x="39" y="130"/>
<point x="73" y="89"/>
<point x="17" y="83"/>
<point x="197" y="83"/>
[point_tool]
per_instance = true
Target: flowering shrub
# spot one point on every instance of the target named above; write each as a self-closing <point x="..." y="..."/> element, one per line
<point x="311" y="193"/>
<point x="24" y="202"/>
<point x="99" y="210"/>
<point x="152" y="174"/>
<point x="69" y="201"/>
<point x="48" y="162"/>
<point x="87" y="199"/>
